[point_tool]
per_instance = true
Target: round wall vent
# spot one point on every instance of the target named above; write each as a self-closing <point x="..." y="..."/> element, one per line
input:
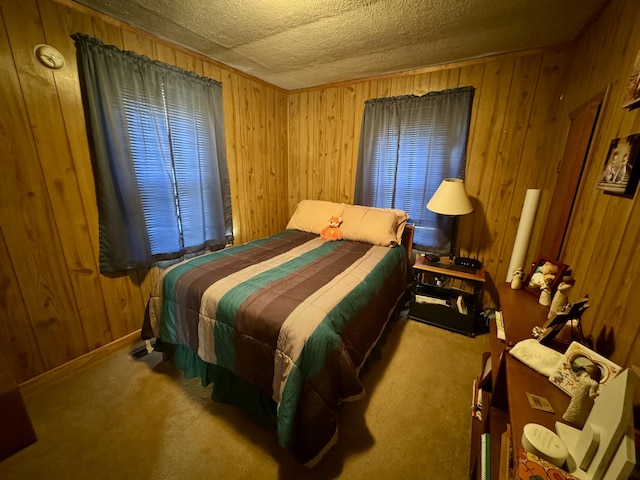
<point x="48" y="56"/>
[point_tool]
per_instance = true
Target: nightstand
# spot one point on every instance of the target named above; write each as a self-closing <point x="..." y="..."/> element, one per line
<point x="447" y="296"/>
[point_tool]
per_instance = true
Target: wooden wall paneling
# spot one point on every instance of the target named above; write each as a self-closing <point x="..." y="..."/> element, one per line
<point x="43" y="108"/>
<point x="281" y="148"/>
<point x="293" y="156"/>
<point x="614" y="312"/>
<point x="610" y="46"/>
<point x="444" y="79"/>
<point x="248" y="160"/>
<point x="381" y="88"/>
<point x="122" y="298"/>
<point x="597" y="246"/>
<point x="18" y="340"/>
<point x="482" y="154"/>
<point x="332" y="158"/>
<point x="421" y="83"/>
<point x="269" y="161"/>
<point x="517" y="116"/>
<point x="138" y="43"/>
<point x="307" y="144"/>
<point x="30" y="232"/>
<point x="224" y="77"/>
<point x="319" y="160"/>
<point x="348" y="154"/>
<point x="107" y="33"/>
<point x="611" y="215"/>
<point x="275" y="158"/>
<point x="165" y="54"/>
<point x="401" y="85"/>
<point x="593" y="207"/>
<point x="187" y="62"/>
<point x="537" y="161"/>
<point x="239" y="150"/>
<point x="592" y="53"/>
<point x="253" y="122"/>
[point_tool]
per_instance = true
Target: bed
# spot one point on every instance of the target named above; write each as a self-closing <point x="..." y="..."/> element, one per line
<point x="283" y="325"/>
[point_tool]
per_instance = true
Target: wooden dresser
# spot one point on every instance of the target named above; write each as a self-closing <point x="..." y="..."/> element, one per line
<point x="507" y="403"/>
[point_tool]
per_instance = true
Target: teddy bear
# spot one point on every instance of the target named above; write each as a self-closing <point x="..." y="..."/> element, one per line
<point x="332" y="232"/>
<point x="543" y="276"/>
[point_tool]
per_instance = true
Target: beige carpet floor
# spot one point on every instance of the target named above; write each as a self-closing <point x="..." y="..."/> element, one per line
<point x="122" y="418"/>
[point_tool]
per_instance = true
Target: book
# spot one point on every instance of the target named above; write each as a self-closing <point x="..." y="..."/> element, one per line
<point x="500" y="326"/>
<point x="431" y="300"/>
<point x="532" y="467"/>
<point x="484" y="381"/>
<point x="462" y="307"/>
<point x="476" y="401"/>
<point x="506" y="455"/>
<point x="485" y="456"/>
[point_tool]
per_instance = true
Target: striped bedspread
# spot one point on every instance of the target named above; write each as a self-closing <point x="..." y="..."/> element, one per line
<point x="290" y="314"/>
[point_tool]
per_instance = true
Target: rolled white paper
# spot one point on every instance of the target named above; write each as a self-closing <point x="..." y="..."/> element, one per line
<point x="525" y="227"/>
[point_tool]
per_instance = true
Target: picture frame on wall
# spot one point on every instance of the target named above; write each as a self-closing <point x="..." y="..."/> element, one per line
<point x="620" y="175"/>
<point x="540" y="274"/>
<point x="632" y="97"/>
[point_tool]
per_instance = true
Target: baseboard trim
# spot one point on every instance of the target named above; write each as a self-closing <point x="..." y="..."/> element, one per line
<point x="78" y="364"/>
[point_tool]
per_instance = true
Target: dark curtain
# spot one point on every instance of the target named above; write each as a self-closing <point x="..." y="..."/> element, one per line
<point x="158" y="152"/>
<point x="408" y="145"/>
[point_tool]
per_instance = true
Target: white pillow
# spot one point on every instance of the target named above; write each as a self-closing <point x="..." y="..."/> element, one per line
<point x="313" y="215"/>
<point x="378" y="226"/>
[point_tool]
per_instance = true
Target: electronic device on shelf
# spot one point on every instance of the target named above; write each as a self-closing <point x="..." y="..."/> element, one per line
<point x="468" y="262"/>
<point x="431" y="257"/>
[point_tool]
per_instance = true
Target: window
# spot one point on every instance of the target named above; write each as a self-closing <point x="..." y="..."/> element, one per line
<point x="159" y="159"/>
<point x="408" y="145"/>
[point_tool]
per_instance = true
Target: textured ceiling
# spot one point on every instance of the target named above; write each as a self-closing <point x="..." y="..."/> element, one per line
<point x="302" y="43"/>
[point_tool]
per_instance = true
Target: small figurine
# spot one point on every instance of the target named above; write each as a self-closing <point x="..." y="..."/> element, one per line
<point x="545" y="295"/>
<point x="561" y="297"/>
<point x="516" y="281"/>
<point x="582" y="401"/>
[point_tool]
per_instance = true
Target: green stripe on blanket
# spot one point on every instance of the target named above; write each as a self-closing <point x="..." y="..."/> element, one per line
<point x="228" y="306"/>
<point x="326" y="337"/>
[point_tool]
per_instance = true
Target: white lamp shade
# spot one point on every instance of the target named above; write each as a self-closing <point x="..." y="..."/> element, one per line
<point x="450" y="198"/>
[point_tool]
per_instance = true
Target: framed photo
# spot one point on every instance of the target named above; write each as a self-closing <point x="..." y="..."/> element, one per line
<point x="579" y="360"/>
<point x="571" y="311"/>
<point x="619" y="177"/>
<point x="632" y="97"/>
<point x="545" y="272"/>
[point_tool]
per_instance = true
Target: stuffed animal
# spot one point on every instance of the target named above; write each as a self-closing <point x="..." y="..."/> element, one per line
<point x="332" y="232"/>
<point x="543" y="276"/>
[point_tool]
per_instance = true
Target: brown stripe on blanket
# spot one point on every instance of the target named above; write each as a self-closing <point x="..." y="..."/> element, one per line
<point x="193" y="283"/>
<point x="316" y="416"/>
<point x="256" y="341"/>
<point x="358" y="337"/>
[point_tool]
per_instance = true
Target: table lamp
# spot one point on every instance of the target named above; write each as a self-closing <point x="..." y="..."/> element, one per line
<point x="451" y="199"/>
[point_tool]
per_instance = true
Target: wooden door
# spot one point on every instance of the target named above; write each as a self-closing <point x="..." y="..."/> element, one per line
<point x="583" y="123"/>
